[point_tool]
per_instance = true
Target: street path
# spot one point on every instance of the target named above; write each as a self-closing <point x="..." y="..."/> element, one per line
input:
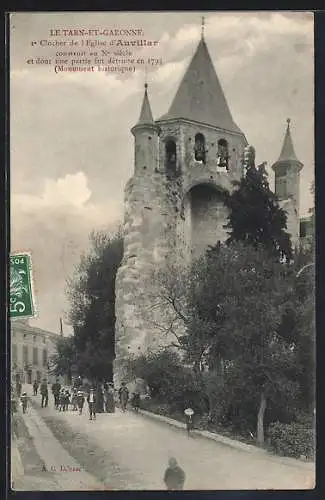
<point x="61" y="471"/>
<point x="141" y="448"/>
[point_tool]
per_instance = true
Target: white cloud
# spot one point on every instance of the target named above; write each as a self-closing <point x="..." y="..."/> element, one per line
<point x="71" y="190"/>
<point x="70" y="196"/>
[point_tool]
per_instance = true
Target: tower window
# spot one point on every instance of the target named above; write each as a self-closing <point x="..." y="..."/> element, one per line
<point x="223" y="154"/>
<point x="199" y="148"/>
<point x="170" y="150"/>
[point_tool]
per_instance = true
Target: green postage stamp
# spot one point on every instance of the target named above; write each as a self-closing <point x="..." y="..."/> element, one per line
<point x="21" y="286"/>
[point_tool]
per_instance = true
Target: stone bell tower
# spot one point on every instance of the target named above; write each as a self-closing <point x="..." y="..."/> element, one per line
<point x="287" y="182"/>
<point x="174" y="202"/>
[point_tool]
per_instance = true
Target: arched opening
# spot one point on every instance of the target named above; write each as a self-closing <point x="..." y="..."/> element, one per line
<point x="223" y="154"/>
<point x="199" y="148"/>
<point x="204" y="218"/>
<point x="171" y="156"/>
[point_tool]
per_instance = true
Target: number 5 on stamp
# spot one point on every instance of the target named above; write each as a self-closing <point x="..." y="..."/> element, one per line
<point x="21" y="290"/>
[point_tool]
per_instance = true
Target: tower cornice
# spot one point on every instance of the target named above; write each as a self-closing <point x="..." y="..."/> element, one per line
<point x="186" y="121"/>
<point x="140" y="127"/>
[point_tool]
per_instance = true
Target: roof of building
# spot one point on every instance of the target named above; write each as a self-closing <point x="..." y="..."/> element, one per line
<point x="145" y="113"/>
<point x="287" y="154"/>
<point x="200" y="97"/>
<point x="23" y="327"/>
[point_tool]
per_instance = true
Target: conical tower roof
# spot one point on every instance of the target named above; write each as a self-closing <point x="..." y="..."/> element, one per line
<point x="200" y="97"/>
<point x="287" y="154"/>
<point x="145" y="113"/>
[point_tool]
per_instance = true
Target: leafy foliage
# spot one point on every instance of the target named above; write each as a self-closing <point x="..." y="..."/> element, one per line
<point x="234" y="304"/>
<point x="91" y="293"/>
<point x="168" y="380"/>
<point x="255" y="215"/>
<point x="64" y="357"/>
<point x="294" y="440"/>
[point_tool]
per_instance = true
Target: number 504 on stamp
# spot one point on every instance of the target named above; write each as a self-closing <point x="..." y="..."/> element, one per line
<point x="21" y="289"/>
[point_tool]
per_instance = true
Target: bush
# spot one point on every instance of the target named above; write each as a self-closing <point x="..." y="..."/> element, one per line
<point x="169" y="381"/>
<point x="293" y="440"/>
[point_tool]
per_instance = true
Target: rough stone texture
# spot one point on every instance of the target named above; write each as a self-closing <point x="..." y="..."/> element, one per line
<point x="170" y="216"/>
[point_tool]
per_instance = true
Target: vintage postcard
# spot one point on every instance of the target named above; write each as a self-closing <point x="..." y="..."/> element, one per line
<point x="162" y="178"/>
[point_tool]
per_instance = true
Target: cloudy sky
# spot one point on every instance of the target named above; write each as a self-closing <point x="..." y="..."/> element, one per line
<point x="71" y="146"/>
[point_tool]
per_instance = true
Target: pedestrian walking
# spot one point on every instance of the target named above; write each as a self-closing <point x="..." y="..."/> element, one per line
<point x="62" y="400"/>
<point x="136" y="401"/>
<point x="80" y="401"/>
<point x="35" y="387"/>
<point x="124" y="396"/>
<point x="189" y="416"/>
<point x="74" y="400"/>
<point x="44" y="394"/>
<point x="56" y="388"/>
<point x="174" y="477"/>
<point x="91" y="399"/>
<point x="24" y="400"/>
<point x="67" y="400"/>
<point x="110" y="399"/>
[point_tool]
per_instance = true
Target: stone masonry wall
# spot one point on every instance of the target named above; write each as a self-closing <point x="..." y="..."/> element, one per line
<point x="165" y="220"/>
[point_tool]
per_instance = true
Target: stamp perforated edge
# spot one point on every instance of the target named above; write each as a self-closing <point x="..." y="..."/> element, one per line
<point x="33" y="290"/>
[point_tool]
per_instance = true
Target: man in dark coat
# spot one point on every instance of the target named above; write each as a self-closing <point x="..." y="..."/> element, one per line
<point x="44" y="394"/>
<point x="56" y="388"/>
<point x="124" y="396"/>
<point x="91" y="400"/>
<point x="174" y="477"/>
<point x="35" y="387"/>
<point x="136" y="400"/>
<point x="110" y="401"/>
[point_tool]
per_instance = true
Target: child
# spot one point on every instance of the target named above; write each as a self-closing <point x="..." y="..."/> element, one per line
<point x="24" y="400"/>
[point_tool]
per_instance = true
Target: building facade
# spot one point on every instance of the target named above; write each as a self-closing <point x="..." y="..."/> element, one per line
<point x="183" y="162"/>
<point x="31" y="352"/>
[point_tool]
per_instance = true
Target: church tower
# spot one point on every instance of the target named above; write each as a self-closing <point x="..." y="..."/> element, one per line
<point x="287" y="181"/>
<point x="174" y="209"/>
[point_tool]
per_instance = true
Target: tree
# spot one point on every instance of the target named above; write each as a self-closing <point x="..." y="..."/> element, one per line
<point x="91" y="292"/>
<point x="65" y="357"/>
<point x="255" y="215"/>
<point x="250" y="293"/>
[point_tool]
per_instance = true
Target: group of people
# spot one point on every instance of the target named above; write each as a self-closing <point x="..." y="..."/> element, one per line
<point x="101" y="399"/>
